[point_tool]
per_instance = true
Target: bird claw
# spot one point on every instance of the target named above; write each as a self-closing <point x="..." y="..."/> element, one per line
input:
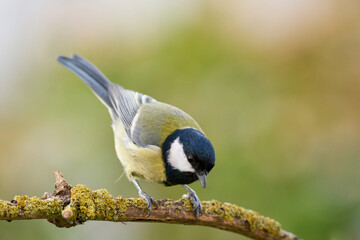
<point x="195" y="202"/>
<point x="149" y="200"/>
<point x="146" y="197"/>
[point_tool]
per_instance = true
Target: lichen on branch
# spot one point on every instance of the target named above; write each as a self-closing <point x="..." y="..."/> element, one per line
<point x="69" y="206"/>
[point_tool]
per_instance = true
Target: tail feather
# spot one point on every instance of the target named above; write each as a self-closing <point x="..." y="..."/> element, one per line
<point x="92" y="76"/>
<point x="122" y="104"/>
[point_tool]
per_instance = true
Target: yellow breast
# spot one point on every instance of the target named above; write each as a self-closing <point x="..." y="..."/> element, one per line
<point x="138" y="161"/>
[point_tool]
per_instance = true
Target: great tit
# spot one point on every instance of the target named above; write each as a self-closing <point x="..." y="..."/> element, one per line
<point x="153" y="140"/>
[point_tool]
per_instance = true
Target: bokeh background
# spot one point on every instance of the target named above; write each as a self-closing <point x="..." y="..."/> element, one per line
<point x="274" y="84"/>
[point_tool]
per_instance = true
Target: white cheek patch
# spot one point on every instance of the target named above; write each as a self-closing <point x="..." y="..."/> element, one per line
<point x="177" y="158"/>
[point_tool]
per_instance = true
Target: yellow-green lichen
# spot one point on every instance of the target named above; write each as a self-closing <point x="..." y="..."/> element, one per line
<point x="178" y="209"/>
<point x="229" y="212"/>
<point x="168" y="203"/>
<point x="96" y="205"/>
<point x="137" y="202"/>
<point x="24" y="207"/>
<point x="187" y="205"/>
<point x="87" y="204"/>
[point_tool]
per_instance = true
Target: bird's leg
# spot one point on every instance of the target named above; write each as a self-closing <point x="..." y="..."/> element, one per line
<point x="194" y="200"/>
<point x="146" y="197"/>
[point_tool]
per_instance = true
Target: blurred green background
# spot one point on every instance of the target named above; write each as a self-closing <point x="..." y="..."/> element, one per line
<point x="274" y="84"/>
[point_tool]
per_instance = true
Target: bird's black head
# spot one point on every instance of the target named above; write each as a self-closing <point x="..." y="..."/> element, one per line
<point x="188" y="156"/>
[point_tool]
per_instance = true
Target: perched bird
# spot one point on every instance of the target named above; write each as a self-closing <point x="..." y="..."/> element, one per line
<point x="153" y="140"/>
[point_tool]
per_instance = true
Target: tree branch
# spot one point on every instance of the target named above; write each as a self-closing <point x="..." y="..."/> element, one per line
<point x="69" y="206"/>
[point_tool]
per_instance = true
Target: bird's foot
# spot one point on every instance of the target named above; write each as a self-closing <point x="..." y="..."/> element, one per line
<point x="191" y="195"/>
<point x="149" y="200"/>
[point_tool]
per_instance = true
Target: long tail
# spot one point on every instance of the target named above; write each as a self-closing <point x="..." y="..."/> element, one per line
<point x="92" y="76"/>
<point x="122" y="104"/>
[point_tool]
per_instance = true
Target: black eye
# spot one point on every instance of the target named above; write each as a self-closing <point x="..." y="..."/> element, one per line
<point x="190" y="158"/>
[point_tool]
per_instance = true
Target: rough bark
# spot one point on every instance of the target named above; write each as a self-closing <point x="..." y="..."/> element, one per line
<point x="69" y="206"/>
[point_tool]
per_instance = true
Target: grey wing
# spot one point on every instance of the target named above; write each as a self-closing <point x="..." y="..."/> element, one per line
<point x="126" y="104"/>
<point x="122" y="104"/>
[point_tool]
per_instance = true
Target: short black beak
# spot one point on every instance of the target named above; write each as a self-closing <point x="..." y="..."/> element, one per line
<point x="202" y="178"/>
